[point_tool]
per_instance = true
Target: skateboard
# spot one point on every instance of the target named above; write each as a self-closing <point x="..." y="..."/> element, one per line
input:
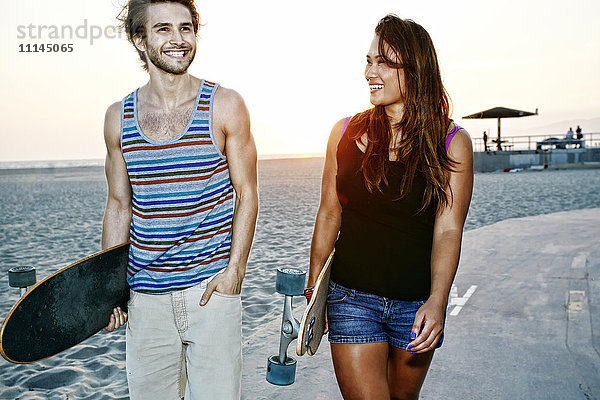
<point x="312" y="325"/>
<point x="67" y="307"/>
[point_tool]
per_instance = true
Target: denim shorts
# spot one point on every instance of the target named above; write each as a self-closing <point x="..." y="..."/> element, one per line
<point x="360" y="317"/>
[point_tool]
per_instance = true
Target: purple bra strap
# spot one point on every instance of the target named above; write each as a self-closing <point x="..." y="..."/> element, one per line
<point x="346" y="121"/>
<point x="451" y="135"/>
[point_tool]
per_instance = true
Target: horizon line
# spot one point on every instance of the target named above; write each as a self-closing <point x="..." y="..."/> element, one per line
<point x="99" y="162"/>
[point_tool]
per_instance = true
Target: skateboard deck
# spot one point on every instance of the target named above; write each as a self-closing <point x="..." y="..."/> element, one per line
<point x="67" y="307"/>
<point x="312" y="325"/>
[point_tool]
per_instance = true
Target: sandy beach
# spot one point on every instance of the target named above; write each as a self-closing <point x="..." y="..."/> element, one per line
<point x="52" y="217"/>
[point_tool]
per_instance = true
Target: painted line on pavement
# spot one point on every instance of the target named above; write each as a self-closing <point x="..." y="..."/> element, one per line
<point x="459" y="302"/>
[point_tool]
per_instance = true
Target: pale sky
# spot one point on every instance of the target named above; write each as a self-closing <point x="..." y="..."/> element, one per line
<point x="298" y="65"/>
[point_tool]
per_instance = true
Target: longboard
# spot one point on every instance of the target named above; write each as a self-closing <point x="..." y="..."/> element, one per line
<point x="312" y="325"/>
<point x="67" y="307"/>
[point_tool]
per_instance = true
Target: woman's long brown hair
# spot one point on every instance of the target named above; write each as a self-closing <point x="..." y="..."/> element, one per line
<point x="424" y="123"/>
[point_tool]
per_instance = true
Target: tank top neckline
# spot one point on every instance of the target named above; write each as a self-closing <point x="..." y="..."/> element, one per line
<point x="176" y="138"/>
<point x="399" y="162"/>
<point x="362" y="153"/>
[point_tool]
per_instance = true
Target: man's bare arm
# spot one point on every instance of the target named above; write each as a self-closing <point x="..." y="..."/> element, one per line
<point x="241" y="157"/>
<point x="117" y="216"/>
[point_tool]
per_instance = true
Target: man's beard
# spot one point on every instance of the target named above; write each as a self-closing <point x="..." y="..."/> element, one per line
<point x="161" y="61"/>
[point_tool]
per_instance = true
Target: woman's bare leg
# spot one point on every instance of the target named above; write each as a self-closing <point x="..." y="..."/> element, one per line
<point x="361" y="370"/>
<point x="406" y="373"/>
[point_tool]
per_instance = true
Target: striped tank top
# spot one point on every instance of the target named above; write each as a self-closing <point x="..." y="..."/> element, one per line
<point x="182" y="201"/>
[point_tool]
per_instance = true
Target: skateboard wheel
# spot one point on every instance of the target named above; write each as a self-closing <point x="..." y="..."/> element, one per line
<point x="21" y="277"/>
<point x="281" y="374"/>
<point x="290" y="281"/>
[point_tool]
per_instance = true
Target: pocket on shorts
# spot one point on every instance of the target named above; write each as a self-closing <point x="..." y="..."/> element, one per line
<point x="132" y="296"/>
<point x="227" y="295"/>
<point x="337" y="294"/>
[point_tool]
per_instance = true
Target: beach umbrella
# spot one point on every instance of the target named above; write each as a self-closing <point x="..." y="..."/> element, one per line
<point x="499" y="113"/>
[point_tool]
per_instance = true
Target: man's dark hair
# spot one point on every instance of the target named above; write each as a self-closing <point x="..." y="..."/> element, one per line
<point x="133" y="20"/>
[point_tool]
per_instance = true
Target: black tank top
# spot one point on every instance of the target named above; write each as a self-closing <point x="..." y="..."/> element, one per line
<point x="384" y="246"/>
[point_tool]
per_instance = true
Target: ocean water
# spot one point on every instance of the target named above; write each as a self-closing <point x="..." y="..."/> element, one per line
<point x="51" y="217"/>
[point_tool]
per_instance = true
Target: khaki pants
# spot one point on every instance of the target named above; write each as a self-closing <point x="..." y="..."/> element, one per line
<point x="170" y="334"/>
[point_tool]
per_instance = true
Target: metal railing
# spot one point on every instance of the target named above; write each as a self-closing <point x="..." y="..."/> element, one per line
<point x="530" y="142"/>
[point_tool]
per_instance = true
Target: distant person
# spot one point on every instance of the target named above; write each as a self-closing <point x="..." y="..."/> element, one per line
<point x="396" y="189"/>
<point x="569" y="134"/>
<point x="182" y="189"/>
<point x="498" y="144"/>
<point x="485" y="137"/>
<point x="580" y="137"/>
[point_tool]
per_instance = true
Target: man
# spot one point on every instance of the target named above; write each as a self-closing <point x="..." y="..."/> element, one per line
<point x="569" y="134"/>
<point x="579" y="137"/>
<point x="178" y="149"/>
<point x="485" y="137"/>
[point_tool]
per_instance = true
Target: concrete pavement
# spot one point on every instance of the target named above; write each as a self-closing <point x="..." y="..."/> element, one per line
<point x="523" y="320"/>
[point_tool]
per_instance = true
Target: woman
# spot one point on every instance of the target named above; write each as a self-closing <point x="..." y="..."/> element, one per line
<point x="396" y="189"/>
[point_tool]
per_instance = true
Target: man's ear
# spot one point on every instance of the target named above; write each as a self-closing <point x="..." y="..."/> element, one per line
<point x="139" y="42"/>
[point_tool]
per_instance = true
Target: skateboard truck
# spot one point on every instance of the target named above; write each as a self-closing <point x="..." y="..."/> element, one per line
<point x="21" y="277"/>
<point x="281" y="369"/>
